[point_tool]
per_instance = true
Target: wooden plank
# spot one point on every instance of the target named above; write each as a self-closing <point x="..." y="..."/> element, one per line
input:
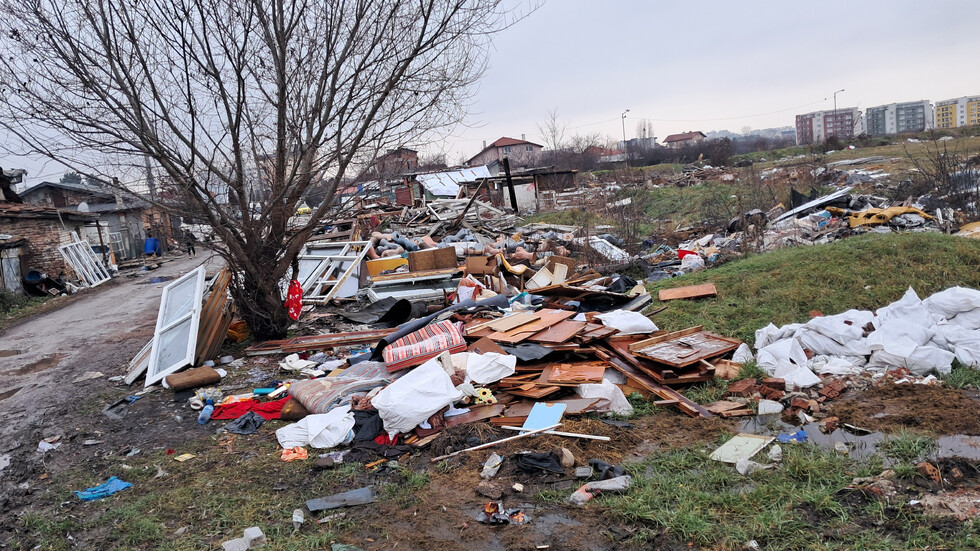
<point x="476" y="413"/>
<point x="688" y="350"/>
<point x="513" y="321"/>
<point x="561" y="332"/>
<point x="484" y="345"/>
<point x="573" y="406"/>
<point x="691" y="291"/>
<point x="645" y="382"/>
<point x="573" y="373"/>
<point x="535" y="392"/>
<point x="664" y="337"/>
<point x="663" y="374"/>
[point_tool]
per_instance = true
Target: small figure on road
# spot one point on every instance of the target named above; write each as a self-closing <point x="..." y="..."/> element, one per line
<point x="189" y="239"/>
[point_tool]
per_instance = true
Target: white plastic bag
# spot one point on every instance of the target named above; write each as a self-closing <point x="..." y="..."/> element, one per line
<point x="628" y="323"/>
<point x="743" y="354"/>
<point x="953" y="301"/>
<point x="692" y="263"/>
<point x="770" y="334"/>
<point x="613" y="398"/>
<point x="781" y="356"/>
<point x="489" y="368"/>
<point x="322" y="430"/>
<point x="837" y="365"/>
<point x="798" y="377"/>
<point x="909" y="308"/>
<point x="415" y="397"/>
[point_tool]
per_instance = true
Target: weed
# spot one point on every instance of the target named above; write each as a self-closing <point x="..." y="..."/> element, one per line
<point x="707" y="392"/>
<point x="962" y="377"/>
<point x="907" y="446"/>
<point x="751" y="370"/>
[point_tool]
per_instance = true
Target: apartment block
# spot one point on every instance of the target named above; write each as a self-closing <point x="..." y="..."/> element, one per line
<point x="958" y="112"/>
<point x="816" y="127"/>
<point x="898" y="118"/>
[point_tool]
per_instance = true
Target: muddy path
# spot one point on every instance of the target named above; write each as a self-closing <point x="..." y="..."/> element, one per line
<point x="44" y="358"/>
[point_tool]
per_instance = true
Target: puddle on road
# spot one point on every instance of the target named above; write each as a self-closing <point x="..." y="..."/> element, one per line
<point x="37" y="366"/>
<point x="8" y="393"/>
<point x="158" y="279"/>
<point x="861" y="445"/>
<point x="9" y="353"/>
<point x="960" y="445"/>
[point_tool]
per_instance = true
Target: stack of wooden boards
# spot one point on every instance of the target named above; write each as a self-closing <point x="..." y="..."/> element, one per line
<point x="546" y="327"/>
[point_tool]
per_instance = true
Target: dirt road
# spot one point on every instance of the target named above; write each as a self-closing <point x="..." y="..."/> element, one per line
<point x="41" y="357"/>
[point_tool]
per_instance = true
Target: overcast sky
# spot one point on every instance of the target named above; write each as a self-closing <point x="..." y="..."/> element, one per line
<point x="715" y="65"/>
<point x="706" y="65"/>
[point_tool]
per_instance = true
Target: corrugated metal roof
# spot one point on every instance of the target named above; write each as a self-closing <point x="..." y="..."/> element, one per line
<point x="445" y="184"/>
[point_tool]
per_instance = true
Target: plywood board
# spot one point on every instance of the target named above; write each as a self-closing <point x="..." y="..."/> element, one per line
<point x="534" y="391"/>
<point x="691" y="291"/>
<point x="573" y="373"/>
<point x="689" y="349"/>
<point x="573" y="406"/>
<point x="476" y="414"/>
<point x="741" y="446"/>
<point x="512" y="321"/>
<point x="484" y="345"/>
<point x="561" y="332"/>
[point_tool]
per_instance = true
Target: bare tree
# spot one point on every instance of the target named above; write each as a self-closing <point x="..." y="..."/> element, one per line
<point x="238" y="102"/>
<point x="553" y="131"/>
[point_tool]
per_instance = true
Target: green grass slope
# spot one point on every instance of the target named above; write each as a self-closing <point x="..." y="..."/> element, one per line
<point x="784" y="286"/>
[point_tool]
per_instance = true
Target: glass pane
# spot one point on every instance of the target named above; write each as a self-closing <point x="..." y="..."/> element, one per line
<point x="178" y="300"/>
<point x="171" y="351"/>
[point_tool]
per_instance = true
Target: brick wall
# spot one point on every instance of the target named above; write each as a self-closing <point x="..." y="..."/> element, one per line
<point x="43" y="235"/>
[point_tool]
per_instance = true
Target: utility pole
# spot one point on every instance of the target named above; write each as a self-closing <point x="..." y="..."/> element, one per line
<point x="625" y="145"/>
<point x="510" y="185"/>
<point x="835" y="110"/>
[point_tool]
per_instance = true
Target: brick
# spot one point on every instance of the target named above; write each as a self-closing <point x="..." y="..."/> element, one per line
<point x="832" y="389"/>
<point x="829" y="424"/>
<point x="744" y="388"/>
<point x="771" y="393"/>
<point x="774" y="382"/>
<point x="928" y="470"/>
<point x="800" y="403"/>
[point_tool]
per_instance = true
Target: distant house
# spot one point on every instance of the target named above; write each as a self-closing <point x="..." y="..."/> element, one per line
<point x="521" y="153"/>
<point x="30" y="236"/>
<point x="687" y="139"/>
<point x="129" y="221"/>
<point x="397" y="162"/>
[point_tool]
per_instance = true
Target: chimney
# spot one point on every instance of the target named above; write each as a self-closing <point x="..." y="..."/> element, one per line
<point x="523" y="139"/>
<point x="484" y="144"/>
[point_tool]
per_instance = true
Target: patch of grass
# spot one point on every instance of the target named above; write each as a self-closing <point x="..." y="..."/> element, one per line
<point x="641" y="407"/>
<point x="784" y="286"/>
<point x="404" y="486"/>
<point x="907" y="446"/>
<point x="707" y="392"/>
<point x="751" y="370"/>
<point x="962" y="377"/>
<point x="798" y="505"/>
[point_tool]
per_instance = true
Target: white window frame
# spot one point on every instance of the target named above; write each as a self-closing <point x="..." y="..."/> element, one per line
<point x="191" y="315"/>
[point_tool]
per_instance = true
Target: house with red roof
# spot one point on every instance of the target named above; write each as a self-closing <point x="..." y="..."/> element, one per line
<point x="678" y="141"/>
<point x="521" y="153"/>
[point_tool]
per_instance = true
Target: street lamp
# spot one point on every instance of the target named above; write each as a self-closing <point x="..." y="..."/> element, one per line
<point x="835" y="110"/>
<point x="625" y="145"/>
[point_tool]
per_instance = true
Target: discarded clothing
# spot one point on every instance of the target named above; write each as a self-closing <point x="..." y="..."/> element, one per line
<point x="534" y="463"/>
<point x="367" y="425"/>
<point x="268" y="410"/>
<point x="105" y="489"/>
<point x="246" y="424"/>
<point x="605" y="470"/>
<point x="294" y="454"/>
<point x="294" y="300"/>
<point x="364" y="452"/>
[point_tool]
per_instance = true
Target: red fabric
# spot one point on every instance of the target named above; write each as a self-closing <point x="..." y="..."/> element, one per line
<point x="383" y="440"/>
<point x="681" y="253"/>
<point x="268" y="410"/>
<point x="294" y="299"/>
